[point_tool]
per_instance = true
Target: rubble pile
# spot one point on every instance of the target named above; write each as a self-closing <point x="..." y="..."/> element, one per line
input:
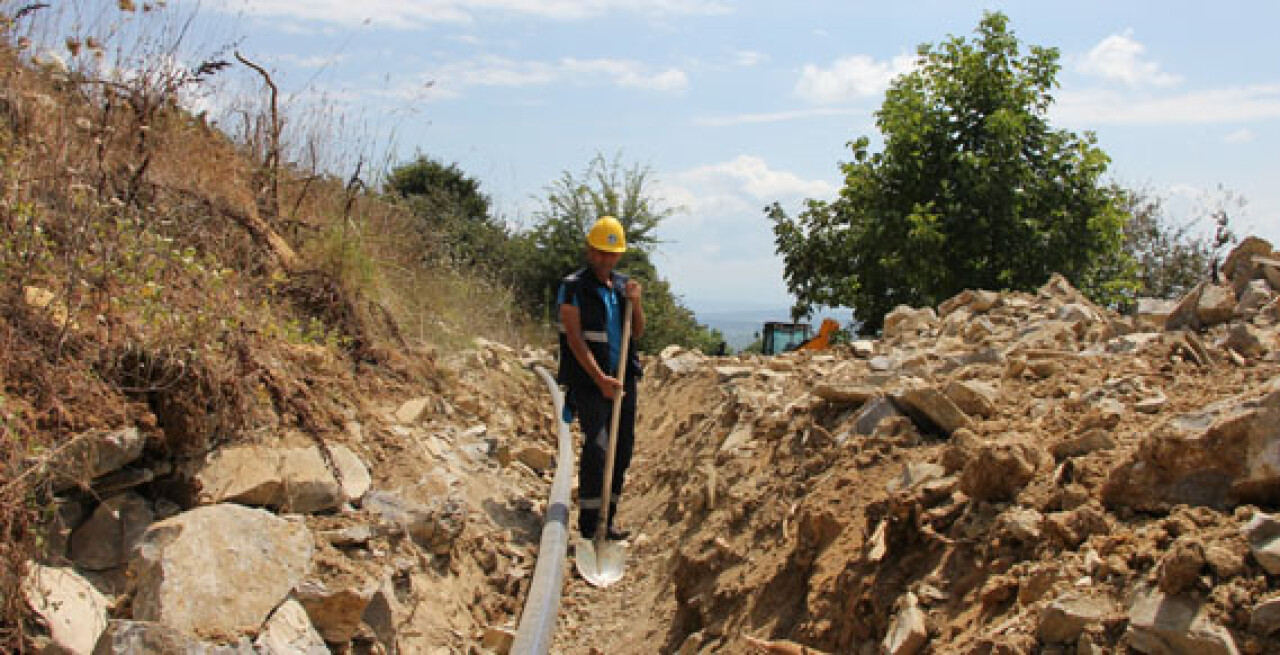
<point x="411" y="528"/>
<point x="1005" y="473"/>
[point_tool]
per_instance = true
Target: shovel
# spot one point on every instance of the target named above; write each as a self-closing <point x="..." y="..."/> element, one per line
<point x="601" y="562"/>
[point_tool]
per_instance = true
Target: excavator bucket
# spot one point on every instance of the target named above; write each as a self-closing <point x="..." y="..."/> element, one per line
<point x="600" y="562"/>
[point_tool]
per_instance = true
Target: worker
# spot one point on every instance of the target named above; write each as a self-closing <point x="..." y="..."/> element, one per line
<point x="591" y="302"/>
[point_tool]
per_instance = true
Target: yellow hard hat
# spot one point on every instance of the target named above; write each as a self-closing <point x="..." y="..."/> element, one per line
<point x="607" y="235"/>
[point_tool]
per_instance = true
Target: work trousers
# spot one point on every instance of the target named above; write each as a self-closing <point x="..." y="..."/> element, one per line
<point x="594" y="411"/>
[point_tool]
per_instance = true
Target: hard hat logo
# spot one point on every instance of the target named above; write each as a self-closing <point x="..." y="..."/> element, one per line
<point x="607" y="235"/>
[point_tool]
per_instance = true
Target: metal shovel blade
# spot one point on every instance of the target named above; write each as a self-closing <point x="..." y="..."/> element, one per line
<point x="600" y="563"/>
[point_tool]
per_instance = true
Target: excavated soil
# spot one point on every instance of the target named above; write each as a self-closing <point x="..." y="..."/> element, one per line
<point x="761" y="518"/>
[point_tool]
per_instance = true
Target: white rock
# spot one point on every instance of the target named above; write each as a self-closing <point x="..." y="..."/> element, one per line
<point x="411" y="411"/>
<point x="289" y="632"/>
<point x="1263" y="533"/>
<point x="218" y="569"/>
<point x="335" y="611"/>
<point x="907" y="633"/>
<point x="74" y="612"/>
<point x="1176" y="625"/>
<point x="293" y="479"/>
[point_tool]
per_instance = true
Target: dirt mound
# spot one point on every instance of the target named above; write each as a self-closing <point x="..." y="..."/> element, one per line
<point x="1023" y="473"/>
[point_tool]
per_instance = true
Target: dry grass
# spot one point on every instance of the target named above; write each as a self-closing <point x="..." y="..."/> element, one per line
<point x="136" y="286"/>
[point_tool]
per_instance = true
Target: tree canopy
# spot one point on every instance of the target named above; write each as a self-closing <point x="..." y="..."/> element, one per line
<point x="453" y="215"/>
<point x="555" y="245"/>
<point x="973" y="189"/>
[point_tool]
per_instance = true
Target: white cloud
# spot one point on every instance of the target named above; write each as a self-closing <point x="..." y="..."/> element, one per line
<point x="1233" y="105"/>
<point x="628" y="74"/>
<point x="412" y="14"/>
<point x="749" y="58"/>
<point x="720" y="245"/>
<point x="850" y="78"/>
<point x="1119" y="58"/>
<point x="773" y="117"/>
<point x="1243" y="135"/>
<point x="751" y="176"/>
<point x="450" y="80"/>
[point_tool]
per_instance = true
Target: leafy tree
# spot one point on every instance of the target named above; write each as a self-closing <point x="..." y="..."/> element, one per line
<point x="1168" y="257"/>
<point x="454" y="215"/>
<point x="556" y="244"/>
<point x="973" y="189"/>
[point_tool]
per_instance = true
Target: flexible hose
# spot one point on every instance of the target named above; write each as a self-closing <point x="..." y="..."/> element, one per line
<point x="542" y="604"/>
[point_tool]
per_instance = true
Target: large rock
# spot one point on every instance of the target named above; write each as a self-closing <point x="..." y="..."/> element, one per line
<point x="1184" y="313"/>
<point x="291" y="479"/>
<point x="845" y="394"/>
<point x="905" y="321"/>
<point x="536" y="457"/>
<point x="872" y="414"/>
<point x="1241" y="264"/>
<point x="335" y="610"/>
<point x="1217" y="304"/>
<point x="380" y="616"/>
<point x="106" y="539"/>
<point x="934" y="406"/>
<point x="151" y="638"/>
<point x="1245" y="340"/>
<point x="674" y="361"/>
<point x="998" y="471"/>
<point x="1066" y="617"/>
<point x="973" y="397"/>
<point x="95" y="454"/>
<point x="1153" y="311"/>
<point x="219" y="569"/>
<point x="289" y="632"/>
<point x="68" y="605"/>
<point x="1254" y="297"/>
<point x="1226" y="454"/>
<point x="412" y="411"/>
<point x="1176" y="625"/>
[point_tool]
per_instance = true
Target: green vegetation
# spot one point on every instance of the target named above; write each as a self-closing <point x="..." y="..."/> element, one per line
<point x="555" y="246"/>
<point x="457" y="229"/>
<point x="973" y="189"/>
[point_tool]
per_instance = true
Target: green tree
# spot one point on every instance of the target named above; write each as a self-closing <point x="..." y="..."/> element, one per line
<point x="454" y="215"/>
<point x="555" y="246"/>
<point x="973" y="189"/>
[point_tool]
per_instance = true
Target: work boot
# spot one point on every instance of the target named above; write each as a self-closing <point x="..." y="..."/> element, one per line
<point x="615" y="533"/>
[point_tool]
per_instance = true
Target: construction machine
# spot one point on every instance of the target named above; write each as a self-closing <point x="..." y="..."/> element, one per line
<point x="782" y="337"/>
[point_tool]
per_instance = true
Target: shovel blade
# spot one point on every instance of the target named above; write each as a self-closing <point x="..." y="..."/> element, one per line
<point x="600" y="563"/>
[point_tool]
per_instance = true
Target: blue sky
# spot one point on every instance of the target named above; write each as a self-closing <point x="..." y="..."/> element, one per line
<point x="734" y="105"/>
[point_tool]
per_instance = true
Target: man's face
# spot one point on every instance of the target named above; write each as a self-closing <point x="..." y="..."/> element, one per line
<point x="602" y="262"/>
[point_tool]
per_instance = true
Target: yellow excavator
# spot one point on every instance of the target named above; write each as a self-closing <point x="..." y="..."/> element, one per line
<point x="782" y="337"/>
